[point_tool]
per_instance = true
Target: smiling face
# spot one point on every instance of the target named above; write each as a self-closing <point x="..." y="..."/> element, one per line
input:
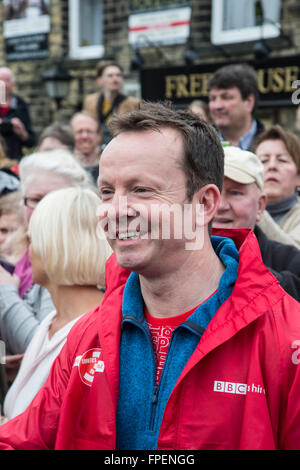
<point x="86" y="134"/>
<point x="241" y="205"/>
<point x="280" y="171"/>
<point x="139" y="172"/>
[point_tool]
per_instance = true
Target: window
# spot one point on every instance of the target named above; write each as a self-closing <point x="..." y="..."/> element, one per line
<point x="236" y="21"/>
<point x="86" y="29"/>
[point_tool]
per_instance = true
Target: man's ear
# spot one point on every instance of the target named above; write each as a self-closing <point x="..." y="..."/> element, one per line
<point x="209" y="197"/>
<point x="99" y="81"/>
<point x="250" y="100"/>
<point x="262" y="202"/>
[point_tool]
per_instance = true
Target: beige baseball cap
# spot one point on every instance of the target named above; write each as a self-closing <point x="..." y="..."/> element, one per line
<point x="243" y="166"/>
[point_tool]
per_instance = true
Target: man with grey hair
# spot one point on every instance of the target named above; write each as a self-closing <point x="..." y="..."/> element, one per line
<point x="242" y="205"/>
<point x="15" y="122"/>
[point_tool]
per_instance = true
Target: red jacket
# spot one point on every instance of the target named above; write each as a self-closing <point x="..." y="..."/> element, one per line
<point x="239" y="390"/>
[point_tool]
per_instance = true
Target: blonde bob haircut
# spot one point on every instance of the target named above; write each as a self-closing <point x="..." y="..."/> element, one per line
<point x="66" y="235"/>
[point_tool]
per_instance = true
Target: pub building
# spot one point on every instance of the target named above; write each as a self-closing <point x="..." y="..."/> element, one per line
<point x="167" y="48"/>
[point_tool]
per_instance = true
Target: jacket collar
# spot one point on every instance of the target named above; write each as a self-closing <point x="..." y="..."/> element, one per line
<point x="253" y="276"/>
<point x="254" y="293"/>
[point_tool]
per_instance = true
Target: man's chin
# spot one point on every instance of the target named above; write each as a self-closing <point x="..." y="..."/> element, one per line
<point x="222" y="225"/>
<point x="131" y="263"/>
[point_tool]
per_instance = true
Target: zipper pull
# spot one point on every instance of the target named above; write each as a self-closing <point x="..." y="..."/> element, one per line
<point x="154" y="401"/>
<point x="155" y="395"/>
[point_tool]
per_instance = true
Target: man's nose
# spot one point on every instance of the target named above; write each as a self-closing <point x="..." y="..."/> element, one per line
<point x="121" y="209"/>
<point x="218" y="104"/>
<point x="223" y="205"/>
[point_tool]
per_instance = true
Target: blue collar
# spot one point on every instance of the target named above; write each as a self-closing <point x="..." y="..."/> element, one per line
<point x="246" y="140"/>
<point x="133" y="304"/>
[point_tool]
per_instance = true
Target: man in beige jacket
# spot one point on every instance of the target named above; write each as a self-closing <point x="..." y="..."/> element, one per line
<point x="109" y="100"/>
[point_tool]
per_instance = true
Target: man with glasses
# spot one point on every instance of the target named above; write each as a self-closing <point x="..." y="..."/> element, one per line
<point x="87" y="139"/>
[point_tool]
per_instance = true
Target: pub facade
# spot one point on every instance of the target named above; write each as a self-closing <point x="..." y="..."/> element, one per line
<point x="168" y="49"/>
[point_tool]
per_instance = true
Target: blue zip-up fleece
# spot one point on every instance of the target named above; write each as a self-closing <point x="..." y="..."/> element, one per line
<point x="141" y="403"/>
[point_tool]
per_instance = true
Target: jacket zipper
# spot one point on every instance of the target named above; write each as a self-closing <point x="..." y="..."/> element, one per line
<point x="155" y="391"/>
<point x="154" y="397"/>
<point x="154" y="402"/>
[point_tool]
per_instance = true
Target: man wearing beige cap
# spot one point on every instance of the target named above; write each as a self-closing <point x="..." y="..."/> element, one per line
<point x="242" y="205"/>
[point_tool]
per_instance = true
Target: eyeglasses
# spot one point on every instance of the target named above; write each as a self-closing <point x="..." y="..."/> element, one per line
<point x="31" y="202"/>
<point x="85" y="131"/>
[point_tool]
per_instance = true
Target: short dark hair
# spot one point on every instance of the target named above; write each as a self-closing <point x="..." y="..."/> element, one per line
<point x="203" y="159"/>
<point x="241" y="76"/>
<point x="102" y="65"/>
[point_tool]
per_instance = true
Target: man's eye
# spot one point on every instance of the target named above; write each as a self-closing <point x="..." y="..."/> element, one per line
<point x="141" y="190"/>
<point x="105" y="192"/>
<point x="236" y="193"/>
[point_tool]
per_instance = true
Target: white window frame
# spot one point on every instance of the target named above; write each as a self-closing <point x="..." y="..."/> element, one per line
<point x="75" y="50"/>
<point x="219" y="36"/>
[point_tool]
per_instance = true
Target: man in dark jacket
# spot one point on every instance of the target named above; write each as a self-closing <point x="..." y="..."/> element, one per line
<point x="15" y="123"/>
<point x="242" y="204"/>
<point x="233" y="95"/>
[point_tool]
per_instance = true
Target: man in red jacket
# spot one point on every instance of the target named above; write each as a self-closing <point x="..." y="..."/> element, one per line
<point x="242" y="205"/>
<point x="195" y="345"/>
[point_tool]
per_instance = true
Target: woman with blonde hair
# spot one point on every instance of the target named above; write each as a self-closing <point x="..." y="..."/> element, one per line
<point x="22" y="312"/>
<point x="68" y="252"/>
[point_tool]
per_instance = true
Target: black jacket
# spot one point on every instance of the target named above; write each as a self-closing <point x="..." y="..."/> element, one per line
<point x="12" y="143"/>
<point x="282" y="260"/>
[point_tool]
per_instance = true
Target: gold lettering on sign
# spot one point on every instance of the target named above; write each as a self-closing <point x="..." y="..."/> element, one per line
<point x="262" y="86"/>
<point x="181" y="91"/>
<point x="194" y="85"/>
<point x="292" y="73"/>
<point x="186" y="86"/>
<point x="170" y="85"/>
<point x="176" y="86"/>
<point x="198" y="84"/>
<point x="277" y="79"/>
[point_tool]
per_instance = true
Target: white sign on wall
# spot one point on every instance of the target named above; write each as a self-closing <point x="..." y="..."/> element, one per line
<point x="159" y="27"/>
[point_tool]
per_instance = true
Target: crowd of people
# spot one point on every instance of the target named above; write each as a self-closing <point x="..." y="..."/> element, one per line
<point x="118" y="337"/>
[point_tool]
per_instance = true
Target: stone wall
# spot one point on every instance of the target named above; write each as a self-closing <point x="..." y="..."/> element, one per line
<point x="28" y="73"/>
